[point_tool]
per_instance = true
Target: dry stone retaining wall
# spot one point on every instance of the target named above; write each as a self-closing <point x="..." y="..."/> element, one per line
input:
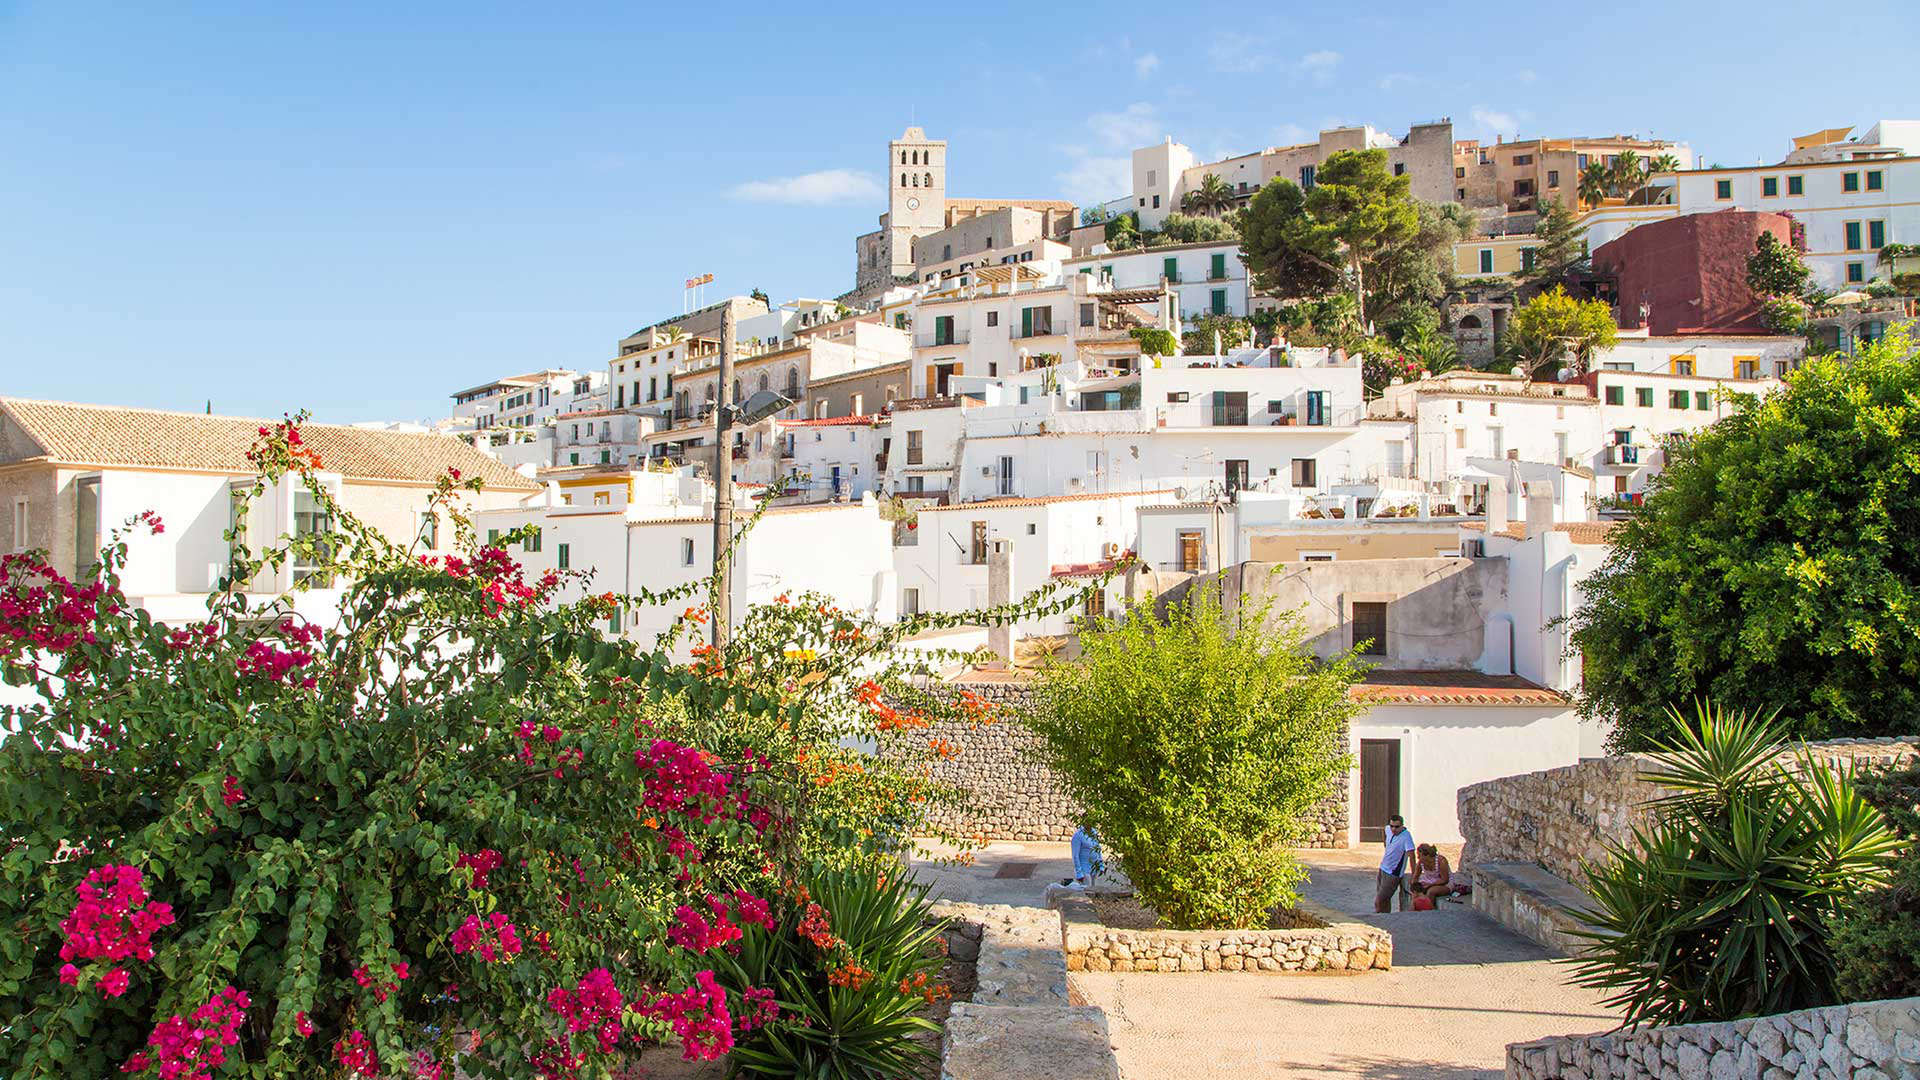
<point x="1319" y="941"/>
<point x="1556" y="818"/>
<point x="1007" y="794"/>
<point x="1877" y="1039"/>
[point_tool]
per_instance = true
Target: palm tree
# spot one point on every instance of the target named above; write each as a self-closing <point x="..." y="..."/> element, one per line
<point x="1216" y="197"/>
<point x="1665" y="163"/>
<point x="1626" y="175"/>
<point x="1595" y="184"/>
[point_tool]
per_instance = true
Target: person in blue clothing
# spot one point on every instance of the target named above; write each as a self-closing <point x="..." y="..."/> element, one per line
<point x="1393" y="863"/>
<point x="1086" y="858"/>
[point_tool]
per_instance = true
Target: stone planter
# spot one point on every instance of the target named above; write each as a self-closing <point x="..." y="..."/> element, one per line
<point x="1320" y="940"/>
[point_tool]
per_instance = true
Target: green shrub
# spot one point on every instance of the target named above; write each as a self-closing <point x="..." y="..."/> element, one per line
<point x="849" y="1008"/>
<point x="1155" y="342"/>
<point x="1876" y="938"/>
<point x="1721" y="908"/>
<point x="1783" y="315"/>
<point x="1197" y="742"/>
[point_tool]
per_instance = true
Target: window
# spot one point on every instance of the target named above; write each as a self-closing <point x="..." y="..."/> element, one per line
<point x="1796" y="185"/>
<point x="1459" y="438"/>
<point x="1643" y="396"/>
<point x="1853" y="236"/>
<point x="606" y="457"/>
<point x="1682" y="365"/>
<point x="1306" y="472"/>
<point x="977" y="548"/>
<point x="1486" y="260"/>
<point x="1676" y="399"/>
<point x="915" y="451"/>
<point x="429" y="534"/>
<point x="993" y="318"/>
<point x="1370" y="627"/>
<point x="1086" y="314"/>
<point x="1176" y="397"/>
<point x="1317" y="412"/>
<point x="613" y="622"/>
<point x="1306" y="178"/>
<point x="1723" y="189"/>
<point x="573" y="459"/>
<point x="686" y="551"/>
<point x="1399" y="168"/>
<point x="309" y="520"/>
<point x="1553" y="178"/>
<point x="1156" y="202"/>
<point x="1522" y="188"/>
<point x="19" y="524"/>
<point x="1769" y="187"/>
<point x="1748" y="367"/>
<point x="1856" y="273"/>
<point x="1229" y="408"/>
<point x="1526" y="258"/>
<point x="1217" y="268"/>
<point x="1876" y="235"/>
<point x="1874" y="182"/>
<point x="1616" y="395"/>
<point x="1170" y="269"/>
<point x="1217" y="303"/>
<point x="1850" y="181"/>
<point x="910" y="604"/>
<point x="86" y="520"/>
<point x="603" y="498"/>
<point x="1006" y="475"/>
<point x="1036" y="321"/>
<point x="532" y="542"/>
<point x="564" y="557"/>
<point x="1702" y="400"/>
<point x="1460" y="172"/>
<point x="1523" y="159"/>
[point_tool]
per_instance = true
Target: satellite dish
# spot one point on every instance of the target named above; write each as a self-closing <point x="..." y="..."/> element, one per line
<point x="1517" y="370"/>
<point x="762" y="404"/>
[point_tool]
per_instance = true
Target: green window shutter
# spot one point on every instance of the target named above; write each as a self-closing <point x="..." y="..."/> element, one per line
<point x="1616" y="396"/>
<point x="1702" y="400"/>
<point x="1856" y="272"/>
<point x="1643" y="397"/>
<point x="1723" y="189"/>
<point x="1796" y="185"/>
<point x="1219" y="268"/>
<point x="1526" y="258"/>
<point x="1850" y="181"/>
<point x="1219" y="301"/>
<point x="1853" y="236"/>
<point x="1876" y="234"/>
<point x="565" y="562"/>
<point x="1026" y="322"/>
<point x="1873" y="180"/>
<point x="1108" y="271"/>
<point x="1086" y="269"/>
<point x="493" y="536"/>
<point x="1769" y="185"/>
<point x="1486" y="260"/>
<point x="573" y="459"/>
<point x="1676" y="399"/>
<point x="1171" y="268"/>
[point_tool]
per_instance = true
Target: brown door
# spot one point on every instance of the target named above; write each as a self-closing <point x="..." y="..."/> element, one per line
<point x="1190" y="552"/>
<point x="1379" y="787"/>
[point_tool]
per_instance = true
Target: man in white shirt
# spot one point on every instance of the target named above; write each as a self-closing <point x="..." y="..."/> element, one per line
<point x="1393" y="863"/>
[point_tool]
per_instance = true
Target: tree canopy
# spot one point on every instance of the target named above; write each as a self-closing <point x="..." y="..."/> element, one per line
<point x="1775" y="269"/>
<point x="1552" y="326"/>
<point x="1774" y="563"/>
<point x="1561" y="246"/>
<point x="1187" y="229"/>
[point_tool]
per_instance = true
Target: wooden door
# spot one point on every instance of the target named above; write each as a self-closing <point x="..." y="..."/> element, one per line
<point x="1379" y="787"/>
<point x="1190" y="552"/>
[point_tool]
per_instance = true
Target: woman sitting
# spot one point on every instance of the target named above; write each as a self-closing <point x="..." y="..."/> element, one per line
<point x="1432" y="875"/>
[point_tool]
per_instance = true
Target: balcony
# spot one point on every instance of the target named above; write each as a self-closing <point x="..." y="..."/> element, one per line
<point x="1623" y="454"/>
<point x="938" y="339"/>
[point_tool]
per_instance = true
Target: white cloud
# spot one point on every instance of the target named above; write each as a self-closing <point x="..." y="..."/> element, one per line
<point x="812" y="189"/>
<point x="1146" y="64"/>
<point x="1096" y="179"/>
<point x="1488" y="123"/>
<point x="1392" y="80"/>
<point x="1134" y="126"/>
<point x="1317" y="67"/>
<point x="1291" y="135"/>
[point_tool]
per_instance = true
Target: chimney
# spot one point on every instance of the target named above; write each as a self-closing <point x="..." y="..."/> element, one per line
<point x="1496" y="505"/>
<point x="1539" y="508"/>
<point x="1000" y="594"/>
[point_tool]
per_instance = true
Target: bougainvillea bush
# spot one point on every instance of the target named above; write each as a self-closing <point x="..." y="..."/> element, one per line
<point x="459" y="829"/>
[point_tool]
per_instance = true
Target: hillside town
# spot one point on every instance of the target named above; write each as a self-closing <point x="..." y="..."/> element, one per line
<point x="1400" y="397"/>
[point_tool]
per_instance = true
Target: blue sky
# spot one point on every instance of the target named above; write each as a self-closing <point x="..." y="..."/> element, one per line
<point x="358" y="209"/>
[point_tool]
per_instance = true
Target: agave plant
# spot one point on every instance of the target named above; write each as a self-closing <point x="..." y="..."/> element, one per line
<point x="1722" y="906"/>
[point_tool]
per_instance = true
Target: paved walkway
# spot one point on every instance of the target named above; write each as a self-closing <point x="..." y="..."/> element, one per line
<point x="1462" y="988"/>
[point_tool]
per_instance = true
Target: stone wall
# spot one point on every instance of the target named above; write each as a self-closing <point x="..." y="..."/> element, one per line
<point x="1869" y="1039"/>
<point x="1007" y="794"/>
<point x="1020" y="1024"/>
<point x="1320" y="940"/>
<point x="1557" y="818"/>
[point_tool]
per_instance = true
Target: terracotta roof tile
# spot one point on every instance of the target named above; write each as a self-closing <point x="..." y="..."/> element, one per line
<point x="76" y="434"/>
<point x="1001" y="504"/>
<point x="1451" y="688"/>
<point x="1582" y="532"/>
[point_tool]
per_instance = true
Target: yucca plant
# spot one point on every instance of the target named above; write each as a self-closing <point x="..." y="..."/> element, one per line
<point x="851" y="1010"/>
<point x="1722" y="906"/>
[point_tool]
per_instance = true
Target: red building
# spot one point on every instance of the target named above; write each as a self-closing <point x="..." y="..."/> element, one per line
<point x="1689" y="271"/>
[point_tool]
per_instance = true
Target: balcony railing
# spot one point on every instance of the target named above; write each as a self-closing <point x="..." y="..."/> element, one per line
<point x="939" y="338"/>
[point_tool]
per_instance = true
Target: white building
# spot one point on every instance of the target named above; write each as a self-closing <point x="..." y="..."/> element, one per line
<point x="526" y="401"/>
<point x="70" y="474"/>
<point x="1205" y="279"/>
<point x="829" y="459"/>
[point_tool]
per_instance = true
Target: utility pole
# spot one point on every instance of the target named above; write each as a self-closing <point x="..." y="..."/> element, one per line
<point x="723" y="482"/>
